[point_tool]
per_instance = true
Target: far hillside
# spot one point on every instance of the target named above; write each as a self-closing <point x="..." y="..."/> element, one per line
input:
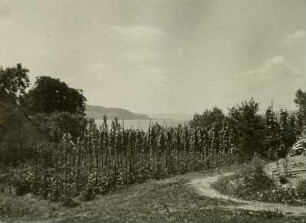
<point x="97" y="112"/>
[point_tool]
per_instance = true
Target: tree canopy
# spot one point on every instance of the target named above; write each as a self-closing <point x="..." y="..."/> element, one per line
<point x="14" y="81"/>
<point x="248" y="127"/>
<point x="208" y="119"/>
<point x="56" y="125"/>
<point x="52" y="95"/>
<point x="300" y="101"/>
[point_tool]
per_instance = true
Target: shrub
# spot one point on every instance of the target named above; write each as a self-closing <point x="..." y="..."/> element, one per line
<point x="56" y="125"/>
<point x="251" y="182"/>
<point x="255" y="178"/>
<point x="283" y="179"/>
<point x="301" y="189"/>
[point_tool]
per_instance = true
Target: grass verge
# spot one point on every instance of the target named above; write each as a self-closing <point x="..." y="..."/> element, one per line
<point x="252" y="183"/>
<point x="170" y="200"/>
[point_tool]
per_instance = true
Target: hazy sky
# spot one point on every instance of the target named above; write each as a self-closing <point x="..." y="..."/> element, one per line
<point x="175" y="56"/>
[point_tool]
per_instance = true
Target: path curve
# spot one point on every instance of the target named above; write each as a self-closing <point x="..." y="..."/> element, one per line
<point x="203" y="187"/>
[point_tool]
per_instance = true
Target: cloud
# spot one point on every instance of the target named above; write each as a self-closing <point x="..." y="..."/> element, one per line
<point x="94" y="23"/>
<point x="132" y="34"/>
<point x="92" y="74"/>
<point x="140" y="55"/>
<point x="276" y="60"/>
<point x="274" y="79"/>
<point x="6" y="25"/>
<point x="4" y="8"/>
<point x="96" y="67"/>
<point x="297" y="35"/>
<point x="140" y="43"/>
<point x="113" y="86"/>
<point x="274" y="69"/>
<point x="152" y="76"/>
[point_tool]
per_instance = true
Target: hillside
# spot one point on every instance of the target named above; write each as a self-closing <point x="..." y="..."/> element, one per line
<point x="97" y="112"/>
<point x="15" y="124"/>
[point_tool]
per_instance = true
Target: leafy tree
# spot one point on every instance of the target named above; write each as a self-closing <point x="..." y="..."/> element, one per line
<point x="51" y="95"/>
<point x="56" y="125"/>
<point x="300" y="101"/>
<point x="14" y="81"/>
<point x="247" y="126"/>
<point x="209" y="119"/>
<point x="287" y="131"/>
<point x="272" y="134"/>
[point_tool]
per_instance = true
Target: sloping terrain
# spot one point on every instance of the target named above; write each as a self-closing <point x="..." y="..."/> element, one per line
<point x="97" y="112"/>
<point x="186" y="198"/>
<point x="15" y="124"/>
<point x="296" y="167"/>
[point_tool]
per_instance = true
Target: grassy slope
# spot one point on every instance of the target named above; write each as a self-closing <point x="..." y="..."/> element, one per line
<point x="169" y="200"/>
<point x="264" y="185"/>
<point x="14" y="124"/>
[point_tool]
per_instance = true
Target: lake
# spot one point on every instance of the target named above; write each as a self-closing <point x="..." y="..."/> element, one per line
<point x="145" y="123"/>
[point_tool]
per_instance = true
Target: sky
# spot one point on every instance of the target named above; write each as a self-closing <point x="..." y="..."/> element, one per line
<point x="162" y="56"/>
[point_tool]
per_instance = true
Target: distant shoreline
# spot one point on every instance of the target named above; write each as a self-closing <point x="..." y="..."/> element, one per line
<point x="144" y="124"/>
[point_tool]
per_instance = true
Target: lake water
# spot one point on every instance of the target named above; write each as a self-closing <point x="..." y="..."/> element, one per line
<point x="144" y="124"/>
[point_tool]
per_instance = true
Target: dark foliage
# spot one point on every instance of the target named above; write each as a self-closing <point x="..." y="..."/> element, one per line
<point x="300" y="101"/>
<point x="14" y="81"/>
<point x="249" y="133"/>
<point x="56" y="125"/>
<point x="51" y="95"/>
<point x="248" y="129"/>
<point x="104" y="159"/>
<point x="209" y="119"/>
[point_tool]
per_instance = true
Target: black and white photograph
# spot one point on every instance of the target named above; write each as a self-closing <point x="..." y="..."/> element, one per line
<point x="152" y="111"/>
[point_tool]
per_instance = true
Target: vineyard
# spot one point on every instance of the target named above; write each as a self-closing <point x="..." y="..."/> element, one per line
<point x="107" y="158"/>
<point x="71" y="157"/>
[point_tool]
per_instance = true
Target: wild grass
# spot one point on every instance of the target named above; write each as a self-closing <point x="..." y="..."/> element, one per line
<point x="301" y="189"/>
<point x="168" y="200"/>
<point x="252" y="183"/>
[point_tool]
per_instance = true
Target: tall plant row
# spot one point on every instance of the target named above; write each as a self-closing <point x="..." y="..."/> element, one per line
<point x="107" y="158"/>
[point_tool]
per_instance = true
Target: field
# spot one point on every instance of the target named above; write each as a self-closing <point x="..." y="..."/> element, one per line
<point x="171" y="200"/>
<point x="106" y="159"/>
<point x="118" y="174"/>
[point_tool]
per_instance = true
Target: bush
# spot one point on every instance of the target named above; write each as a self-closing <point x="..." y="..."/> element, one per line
<point x="56" y="125"/>
<point x="283" y="179"/>
<point x="301" y="189"/>
<point x="255" y="178"/>
<point x="250" y="182"/>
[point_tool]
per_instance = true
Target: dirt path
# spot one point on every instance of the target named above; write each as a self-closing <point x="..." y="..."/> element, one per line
<point x="203" y="186"/>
